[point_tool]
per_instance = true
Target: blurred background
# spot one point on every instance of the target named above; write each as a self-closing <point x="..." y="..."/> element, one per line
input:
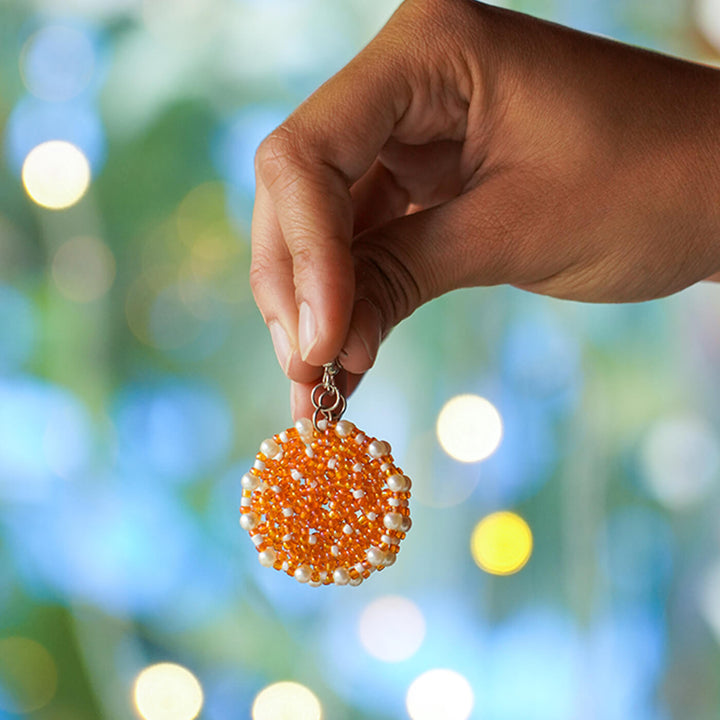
<point x="566" y="566"/>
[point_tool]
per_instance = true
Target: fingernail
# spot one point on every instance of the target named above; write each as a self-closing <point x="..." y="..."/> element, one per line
<point x="307" y="330"/>
<point x="363" y="340"/>
<point x="281" y="343"/>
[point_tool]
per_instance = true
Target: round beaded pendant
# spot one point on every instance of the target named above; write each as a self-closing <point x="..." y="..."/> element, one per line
<point x="324" y="502"/>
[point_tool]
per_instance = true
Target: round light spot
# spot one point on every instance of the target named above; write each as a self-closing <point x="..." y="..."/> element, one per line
<point x="707" y="17"/>
<point x="392" y="628"/>
<point x="442" y="694"/>
<point x="28" y="675"/>
<point x="83" y="269"/>
<point x="501" y="543"/>
<point x="167" y="691"/>
<point x="57" y="62"/>
<point x="56" y="174"/>
<point x="286" y="701"/>
<point x="469" y="428"/>
<point x="680" y="459"/>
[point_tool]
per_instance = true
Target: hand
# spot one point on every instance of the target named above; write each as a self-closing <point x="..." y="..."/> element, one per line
<point x="468" y="145"/>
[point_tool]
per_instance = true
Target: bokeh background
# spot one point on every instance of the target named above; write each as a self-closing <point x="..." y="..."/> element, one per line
<point x="573" y="572"/>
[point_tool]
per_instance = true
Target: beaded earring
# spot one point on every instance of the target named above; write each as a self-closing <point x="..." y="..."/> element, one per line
<point x="323" y="501"/>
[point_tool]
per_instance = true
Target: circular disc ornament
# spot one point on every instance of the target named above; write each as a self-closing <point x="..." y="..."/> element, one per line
<point x="325" y="505"/>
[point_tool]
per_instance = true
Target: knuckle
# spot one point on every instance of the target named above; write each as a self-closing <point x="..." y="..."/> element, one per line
<point x="277" y="153"/>
<point x="259" y="273"/>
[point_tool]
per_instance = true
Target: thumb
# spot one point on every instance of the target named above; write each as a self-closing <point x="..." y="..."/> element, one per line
<point x="474" y="239"/>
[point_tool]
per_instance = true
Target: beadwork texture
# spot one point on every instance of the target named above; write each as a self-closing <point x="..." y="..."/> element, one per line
<point x="325" y="506"/>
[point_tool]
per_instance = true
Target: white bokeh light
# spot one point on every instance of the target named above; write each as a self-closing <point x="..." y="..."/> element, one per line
<point x="469" y="428"/>
<point x="167" y="691"/>
<point x="286" y="701"/>
<point x="680" y="460"/>
<point x="56" y="174"/>
<point x="440" y="693"/>
<point x="707" y="17"/>
<point x="392" y="628"/>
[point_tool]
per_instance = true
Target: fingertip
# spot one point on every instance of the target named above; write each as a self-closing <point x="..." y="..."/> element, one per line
<point x="363" y="339"/>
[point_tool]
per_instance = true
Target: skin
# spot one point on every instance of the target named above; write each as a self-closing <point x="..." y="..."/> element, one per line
<point x="468" y="145"/>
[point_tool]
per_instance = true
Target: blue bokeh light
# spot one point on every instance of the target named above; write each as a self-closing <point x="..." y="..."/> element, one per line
<point x="44" y="435"/>
<point x="60" y="61"/>
<point x="542" y="360"/>
<point x="173" y="430"/>
<point x="527" y="455"/>
<point x="238" y="139"/>
<point x="18" y="329"/>
<point x="539" y="651"/>
<point x="34" y="121"/>
<point x="125" y="548"/>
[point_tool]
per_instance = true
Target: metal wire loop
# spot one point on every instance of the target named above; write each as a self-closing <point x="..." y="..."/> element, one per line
<point x="326" y="397"/>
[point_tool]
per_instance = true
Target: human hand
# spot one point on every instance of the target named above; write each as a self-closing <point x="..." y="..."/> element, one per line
<point x="468" y="145"/>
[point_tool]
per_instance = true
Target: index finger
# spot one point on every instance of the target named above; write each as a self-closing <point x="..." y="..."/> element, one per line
<point x="307" y="166"/>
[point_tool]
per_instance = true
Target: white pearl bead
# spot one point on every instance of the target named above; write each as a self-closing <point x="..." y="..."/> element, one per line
<point x="406" y="523"/>
<point x="375" y="556"/>
<point x="245" y="502"/>
<point x="357" y="494"/>
<point x="341" y="576"/>
<point x="360" y="438"/>
<point x="295" y="474"/>
<point x="389" y="559"/>
<point x="335" y="550"/>
<point x="283" y="437"/>
<point x="248" y="521"/>
<point x="322" y="425"/>
<point x="315" y="583"/>
<point x="344" y="428"/>
<point x="393" y="521"/>
<point x="288" y="512"/>
<point x="303" y="573"/>
<point x="267" y="557"/>
<point x="390" y="540"/>
<point x="249" y="481"/>
<point x="355" y="581"/>
<point x="259" y="465"/>
<point x="269" y="448"/>
<point x="258" y="539"/>
<point x="304" y="427"/>
<point x="378" y="448"/>
<point x="398" y="483"/>
<point x="347" y="529"/>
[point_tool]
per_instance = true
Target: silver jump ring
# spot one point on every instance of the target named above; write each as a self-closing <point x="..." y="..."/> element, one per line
<point x="328" y="390"/>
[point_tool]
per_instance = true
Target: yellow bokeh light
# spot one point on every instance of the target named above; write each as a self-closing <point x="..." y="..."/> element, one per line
<point x="56" y="174"/>
<point x="286" y="701"/>
<point x="405" y="619"/>
<point x="469" y="428"/>
<point x="440" y="693"/>
<point x="28" y="675"/>
<point x="83" y="269"/>
<point x="167" y="691"/>
<point x="502" y="543"/>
